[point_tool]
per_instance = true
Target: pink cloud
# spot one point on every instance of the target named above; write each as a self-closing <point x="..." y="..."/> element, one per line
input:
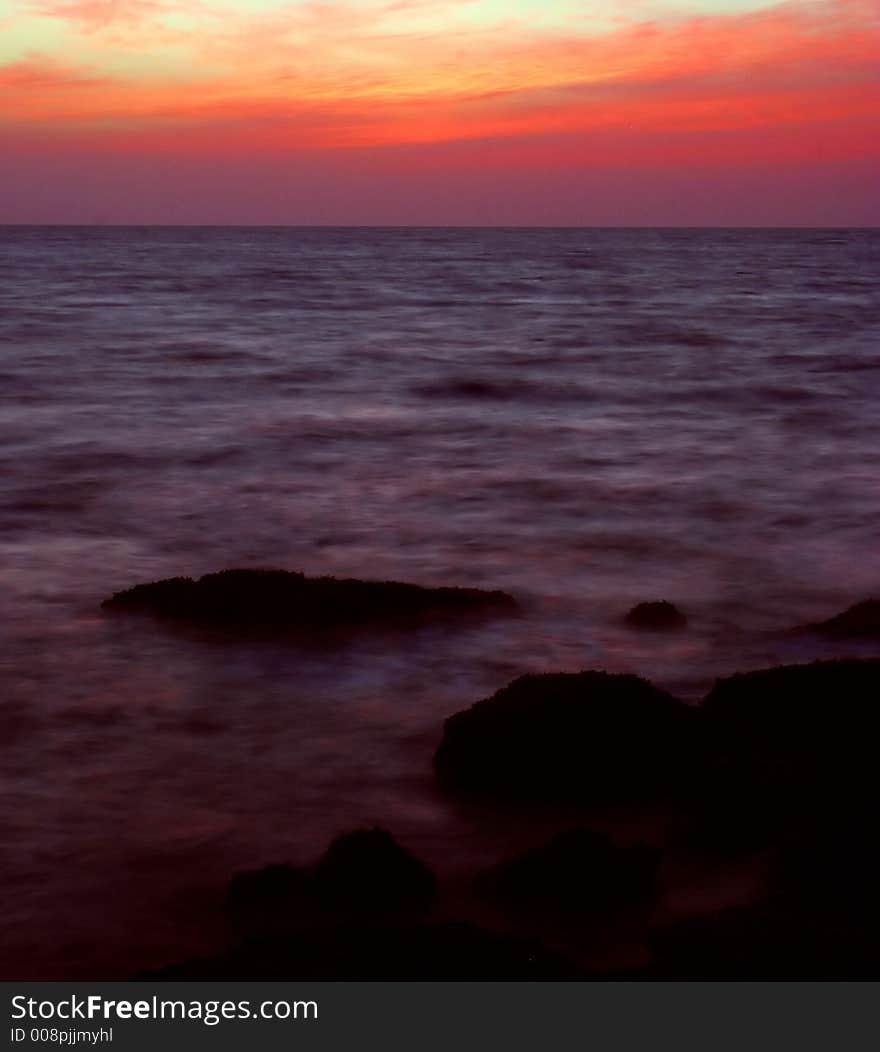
<point x="97" y="14"/>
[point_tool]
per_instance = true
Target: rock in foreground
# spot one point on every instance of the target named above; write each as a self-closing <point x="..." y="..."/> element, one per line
<point x="785" y="745"/>
<point x="367" y="870"/>
<point x="577" y="874"/>
<point x="762" y="943"/>
<point x="359" y="913"/>
<point x="661" y="616"/>
<point x="449" y="951"/>
<point x="792" y="719"/>
<point x="588" y="737"/>
<point x="364" y="874"/>
<point x="281" y="599"/>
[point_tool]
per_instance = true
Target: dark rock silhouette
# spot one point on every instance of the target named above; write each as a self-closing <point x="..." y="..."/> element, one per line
<point x="861" y="620"/>
<point x="660" y="616"/>
<point x="784" y="745"/>
<point x="364" y="874"/>
<point x="578" y="873"/>
<point x="805" y="722"/>
<point x="450" y="951"/>
<point x="584" y="737"/>
<point x="368" y="871"/>
<point x="277" y="599"/>
<point x="356" y="914"/>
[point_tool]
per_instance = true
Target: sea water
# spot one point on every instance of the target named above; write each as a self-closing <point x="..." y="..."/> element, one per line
<point x="584" y="418"/>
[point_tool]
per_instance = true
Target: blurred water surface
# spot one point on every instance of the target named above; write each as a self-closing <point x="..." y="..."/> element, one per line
<point x="586" y="418"/>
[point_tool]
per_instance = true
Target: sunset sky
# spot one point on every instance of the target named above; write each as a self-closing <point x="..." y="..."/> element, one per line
<point x="582" y="112"/>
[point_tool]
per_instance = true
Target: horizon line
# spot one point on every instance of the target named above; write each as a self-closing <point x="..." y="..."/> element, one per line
<point x="442" y="226"/>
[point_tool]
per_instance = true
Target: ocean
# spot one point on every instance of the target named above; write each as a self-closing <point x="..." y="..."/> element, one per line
<point x="585" y="418"/>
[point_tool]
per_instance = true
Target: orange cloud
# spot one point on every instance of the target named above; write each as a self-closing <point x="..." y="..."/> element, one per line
<point x="40" y="77"/>
<point x="781" y="72"/>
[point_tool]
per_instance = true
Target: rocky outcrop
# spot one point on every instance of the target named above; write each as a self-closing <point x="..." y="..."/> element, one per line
<point x="281" y="599"/>
<point x="584" y="737"/>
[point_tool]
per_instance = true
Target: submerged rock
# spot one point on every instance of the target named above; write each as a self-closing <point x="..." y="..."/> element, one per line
<point x="579" y="872"/>
<point x="861" y="620"/>
<point x="583" y="737"/>
<point x="278" y="599"/>
<point x="659" y="616"/>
